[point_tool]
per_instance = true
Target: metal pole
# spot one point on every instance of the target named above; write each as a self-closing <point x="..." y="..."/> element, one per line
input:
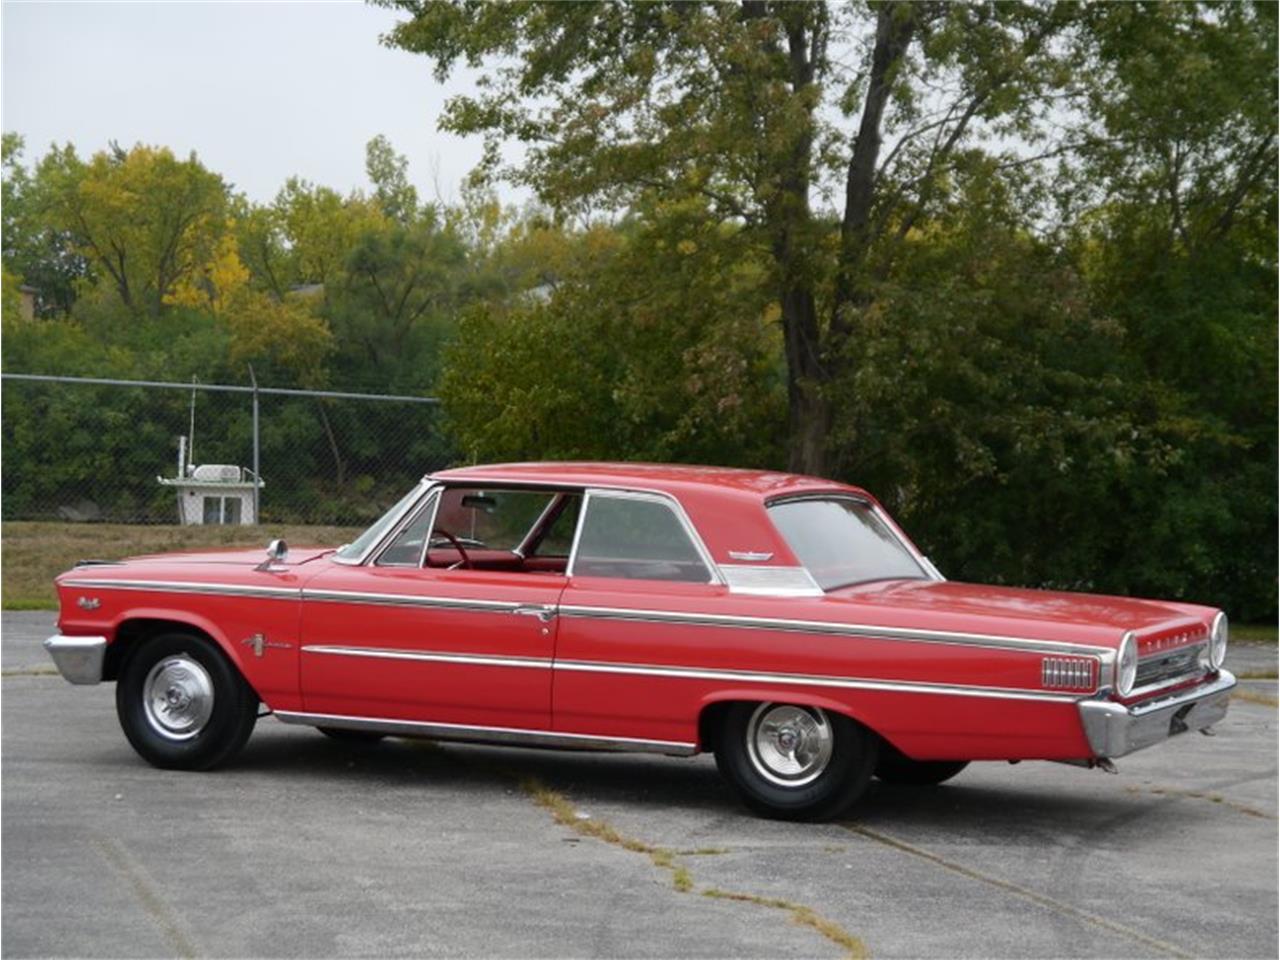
<point x="257" y="481"/>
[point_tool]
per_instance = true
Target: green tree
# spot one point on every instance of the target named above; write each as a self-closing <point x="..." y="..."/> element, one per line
<point x="746" y="106"/>
<point x="35" y="251"/>
<point x="147" y="221"/>
<point x="657" y="342"/>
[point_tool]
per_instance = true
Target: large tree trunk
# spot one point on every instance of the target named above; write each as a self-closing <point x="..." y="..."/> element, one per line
<point x="809" y="411"/>
<point x="808" y="418"/>
<point x="895" y="24"/>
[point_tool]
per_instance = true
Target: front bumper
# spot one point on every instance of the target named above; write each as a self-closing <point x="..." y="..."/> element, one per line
<point x="1114" y="729"/>
<point x="78" y="659"/>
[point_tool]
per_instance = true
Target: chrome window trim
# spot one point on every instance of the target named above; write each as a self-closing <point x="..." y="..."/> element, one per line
<point x="837" y="629"/>
<point x="790" y="581"/>
<point x="521" y="549"/>
<point x="426" y="486"/>
<point x="416" y="510"/>
<point x="926" y="565"/>
<point x="185" y="586"/>
<point x="478" y="734"/>
<point x="646" y="496"/>
<point x="670" y="671"/>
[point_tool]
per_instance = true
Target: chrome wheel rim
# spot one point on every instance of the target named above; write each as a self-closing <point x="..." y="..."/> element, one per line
<point x="177" y="697"/>
<point x="789" y="745"/>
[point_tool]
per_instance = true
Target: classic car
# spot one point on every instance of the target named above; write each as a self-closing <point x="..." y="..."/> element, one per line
<point x="784" y="623"/>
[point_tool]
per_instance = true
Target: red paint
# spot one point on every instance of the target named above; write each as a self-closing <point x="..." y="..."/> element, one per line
<point x="728" y="509"/>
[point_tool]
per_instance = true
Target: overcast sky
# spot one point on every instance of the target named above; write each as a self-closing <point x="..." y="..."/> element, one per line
<point x="261" y="91"/>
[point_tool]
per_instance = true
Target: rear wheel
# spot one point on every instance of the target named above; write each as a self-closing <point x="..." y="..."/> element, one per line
<point x="896" y="767"/>
<point x="182" y="704"/>
<point x="792" y="762"/>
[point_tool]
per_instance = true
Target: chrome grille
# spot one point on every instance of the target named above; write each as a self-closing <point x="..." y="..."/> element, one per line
<point x="1071" y="673"/>
<point x="1170" y="666"/>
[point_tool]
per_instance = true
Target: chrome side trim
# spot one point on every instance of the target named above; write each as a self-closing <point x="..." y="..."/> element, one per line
<point x="811" y="680"/>
<point x="834" y="629"/>
<point x="693" y="673"/>
<point x="78" y="659"/>
<point x="410" y="600"/>
<point x="1113" y="730"/>
<point x="497" y="735"/>
<point x="184" y="586"/>
<point x="389" y="653"/>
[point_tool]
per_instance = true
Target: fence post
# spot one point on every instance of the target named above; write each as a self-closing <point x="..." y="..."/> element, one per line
<point x="257" y="477"/>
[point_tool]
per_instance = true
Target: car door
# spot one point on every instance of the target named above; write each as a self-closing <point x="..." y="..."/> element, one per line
<point x="620" y="652"/>
<point x="424" y="631"/>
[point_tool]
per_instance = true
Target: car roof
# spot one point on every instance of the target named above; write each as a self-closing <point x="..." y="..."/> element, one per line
<point x="725" y="504"/>
<point x="661" y="477"/>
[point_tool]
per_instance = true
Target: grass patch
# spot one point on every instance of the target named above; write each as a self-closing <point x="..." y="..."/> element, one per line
<point x="34" y="553"/>
<point x="30" y="672"/>
<point x="1255" y="632"/>
<point x="1248" y="696"/>
<point x="1199" y="795"/>
<point x="853" y="947"/>
<point x="566" y="814"/>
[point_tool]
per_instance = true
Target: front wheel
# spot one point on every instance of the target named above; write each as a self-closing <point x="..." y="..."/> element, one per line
<point x="182" y="704"/>
<point x="792" y="762"/>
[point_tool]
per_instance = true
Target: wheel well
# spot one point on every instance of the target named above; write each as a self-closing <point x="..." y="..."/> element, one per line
<point x="711" y="722"/>
<point x="130" y="633"/>
<point x="711" y="719"/>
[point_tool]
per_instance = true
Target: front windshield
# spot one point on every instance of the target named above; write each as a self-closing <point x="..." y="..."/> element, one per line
<point x="841" y="541"/>
<point x="358" y="547"/>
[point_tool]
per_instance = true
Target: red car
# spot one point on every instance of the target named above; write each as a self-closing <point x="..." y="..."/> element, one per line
<point x="784" y="622"/>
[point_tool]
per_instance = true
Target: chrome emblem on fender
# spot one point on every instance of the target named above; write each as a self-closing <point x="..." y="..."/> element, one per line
<point x="88" y="603"/>
<point x="259" y="642"/>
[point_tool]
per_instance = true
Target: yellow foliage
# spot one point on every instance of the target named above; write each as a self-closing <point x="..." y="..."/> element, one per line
<point x="216" y="283"/>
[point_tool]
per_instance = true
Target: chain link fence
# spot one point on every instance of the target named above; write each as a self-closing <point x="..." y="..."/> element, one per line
<point x="96" y="450"/>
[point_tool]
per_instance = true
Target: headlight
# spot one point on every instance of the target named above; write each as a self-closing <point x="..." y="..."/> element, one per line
<point x="1127" y="664"/>
<point x="1218" y="641"/>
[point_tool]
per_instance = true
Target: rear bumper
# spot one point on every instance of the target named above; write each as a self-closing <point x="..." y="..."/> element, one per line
<point x="78" y="659"/>
<point x="1114" y="730"/>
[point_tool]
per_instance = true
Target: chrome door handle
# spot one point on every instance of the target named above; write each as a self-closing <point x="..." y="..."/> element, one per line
<point x="542" y="613"/>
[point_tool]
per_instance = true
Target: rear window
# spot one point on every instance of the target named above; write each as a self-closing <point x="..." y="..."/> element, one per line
<point x="842" y="541"/>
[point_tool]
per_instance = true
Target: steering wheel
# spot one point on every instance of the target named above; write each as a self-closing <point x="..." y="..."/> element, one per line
<point x="465" y="562"/>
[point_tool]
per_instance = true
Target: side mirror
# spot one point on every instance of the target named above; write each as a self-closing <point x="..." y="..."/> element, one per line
<point x="277" y="551"/>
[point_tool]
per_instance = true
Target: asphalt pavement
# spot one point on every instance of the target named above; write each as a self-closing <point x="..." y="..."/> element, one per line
<point x="308" y="847"/>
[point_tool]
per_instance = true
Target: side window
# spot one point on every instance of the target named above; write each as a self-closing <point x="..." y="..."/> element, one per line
<point x="406" y="549"/>
<point x="636" y="539"/>
<point x="558" y="540"/>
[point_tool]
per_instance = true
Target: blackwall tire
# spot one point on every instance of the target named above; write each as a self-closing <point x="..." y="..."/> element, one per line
<point x="897" y="768"/>
<point x="791" y="762"/>
<point x="182" y="704"/>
